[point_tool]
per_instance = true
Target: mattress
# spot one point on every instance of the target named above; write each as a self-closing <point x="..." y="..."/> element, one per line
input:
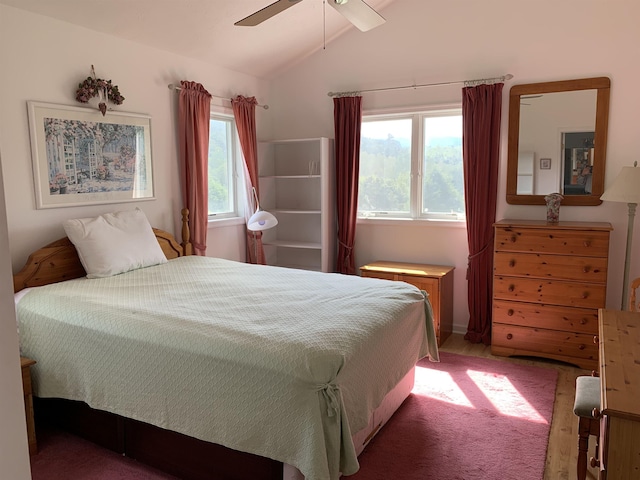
<point x="281" y="363"/>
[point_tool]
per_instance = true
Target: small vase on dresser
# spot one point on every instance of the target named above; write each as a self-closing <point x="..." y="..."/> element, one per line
<point x="549" y="282"/>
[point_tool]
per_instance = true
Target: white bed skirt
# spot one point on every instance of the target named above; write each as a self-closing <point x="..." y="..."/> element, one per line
<point x="379" y="418"/>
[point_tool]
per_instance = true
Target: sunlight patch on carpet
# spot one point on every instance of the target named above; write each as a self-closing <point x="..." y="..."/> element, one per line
<point x="448" y="390"/>
<point x="504" y="396"/>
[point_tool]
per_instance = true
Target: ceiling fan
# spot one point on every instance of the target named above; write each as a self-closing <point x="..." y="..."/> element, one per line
<point x="357" y="12"/>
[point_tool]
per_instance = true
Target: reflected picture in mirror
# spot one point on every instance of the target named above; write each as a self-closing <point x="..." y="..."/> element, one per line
<point x="557" y="141"/>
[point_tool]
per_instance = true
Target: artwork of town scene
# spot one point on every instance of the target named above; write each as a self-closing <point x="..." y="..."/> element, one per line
<point x="95" y="157"/>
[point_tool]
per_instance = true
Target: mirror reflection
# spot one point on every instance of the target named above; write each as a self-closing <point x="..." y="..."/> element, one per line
<point x="555" y="146"/>
<point x="557" y="141"/>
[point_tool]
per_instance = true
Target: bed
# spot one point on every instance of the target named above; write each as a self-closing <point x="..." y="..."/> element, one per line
<point x="209" y="368"/>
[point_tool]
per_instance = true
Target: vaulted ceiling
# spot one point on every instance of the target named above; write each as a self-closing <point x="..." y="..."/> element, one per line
<point x="204" y="29"/>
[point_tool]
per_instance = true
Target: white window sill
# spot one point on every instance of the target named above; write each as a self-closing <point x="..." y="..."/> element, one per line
<point x="412" y="222"/>
<point x="225" y="222"/>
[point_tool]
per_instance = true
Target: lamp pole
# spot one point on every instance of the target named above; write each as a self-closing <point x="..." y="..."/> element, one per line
<point x="627" y="256"/>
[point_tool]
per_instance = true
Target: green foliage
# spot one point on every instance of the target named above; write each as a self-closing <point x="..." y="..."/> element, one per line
<point x="443" y="185"/>
<point x="385" y="167"/>
<point x="218" y="168"/>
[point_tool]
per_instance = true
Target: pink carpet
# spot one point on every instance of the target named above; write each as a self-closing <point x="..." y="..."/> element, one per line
<point x="468" y="418"/>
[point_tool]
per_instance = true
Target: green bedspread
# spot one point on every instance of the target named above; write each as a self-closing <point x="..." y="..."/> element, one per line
<point x="278" y="362"/>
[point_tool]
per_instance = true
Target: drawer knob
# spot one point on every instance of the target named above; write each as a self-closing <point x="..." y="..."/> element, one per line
<point x="512" y="288"/>
<point x="587" y="243"/>
<point x="509" y="336"/>
<point x="510" y="312"/>
<point x="594" y="463"/>
<point x="583" y="321"/>
<point x="581" y="347"/>
<point x="595" y="413"/>
<point x="585" y="295"/>
<point x="513" y="239"/>
<point x="596" y="340"/>
<point x="512" y="263"/>
<point x="586" y="269"/>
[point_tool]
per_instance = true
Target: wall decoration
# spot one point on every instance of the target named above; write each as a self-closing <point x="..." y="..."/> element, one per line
<point x="81" y="158"/>
<point x="545" y="164"/>
<point x="97" y="87"/>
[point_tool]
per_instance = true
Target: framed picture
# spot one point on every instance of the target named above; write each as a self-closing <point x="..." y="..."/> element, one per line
<point x="81" y="157"/>
<point x="545" y="164"/>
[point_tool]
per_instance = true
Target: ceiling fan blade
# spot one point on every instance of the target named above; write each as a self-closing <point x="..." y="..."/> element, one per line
<point x="359" y="13"/>
<point x="266" y="13"/>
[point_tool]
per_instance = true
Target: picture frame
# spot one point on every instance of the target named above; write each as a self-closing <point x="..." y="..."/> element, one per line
<point x="545" y="164"/>
<point x="81" y="157"/>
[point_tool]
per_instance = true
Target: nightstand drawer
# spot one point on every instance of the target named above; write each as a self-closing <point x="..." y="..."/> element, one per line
<point x="25" y="365"/>
<point x="436" y="280"/>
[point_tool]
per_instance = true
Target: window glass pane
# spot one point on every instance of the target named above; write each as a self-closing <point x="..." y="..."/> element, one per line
<point x="385" y="167"/>
<point x="443" y="181"/>
<point x="220" y="166"/>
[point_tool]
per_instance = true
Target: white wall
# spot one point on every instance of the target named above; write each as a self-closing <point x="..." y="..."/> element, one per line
<point x="14" y="453"/>
<point x="44" y="60"/>
<point x="449" y="40"/>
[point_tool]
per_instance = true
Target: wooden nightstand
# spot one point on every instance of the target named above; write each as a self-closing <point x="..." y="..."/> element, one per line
<point x="25" y="364"/>
<point x="436" y="280"/>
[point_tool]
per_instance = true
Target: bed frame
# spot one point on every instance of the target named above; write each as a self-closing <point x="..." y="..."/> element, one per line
<point x="185" y="457"/>
<point x="59" y="260"/>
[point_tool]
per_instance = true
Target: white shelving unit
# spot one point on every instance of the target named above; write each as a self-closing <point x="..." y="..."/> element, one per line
<point x="297" y="185"/>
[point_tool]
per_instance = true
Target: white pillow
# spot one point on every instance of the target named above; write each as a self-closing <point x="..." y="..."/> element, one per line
<point x="114" y="243"/>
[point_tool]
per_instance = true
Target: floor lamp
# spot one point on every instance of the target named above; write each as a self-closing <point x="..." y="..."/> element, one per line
<point x="626" y="189"/>
<point x="260" y="220"/>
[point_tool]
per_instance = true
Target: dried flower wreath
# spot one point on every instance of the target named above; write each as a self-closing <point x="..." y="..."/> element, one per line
<point x="97" y="87"/>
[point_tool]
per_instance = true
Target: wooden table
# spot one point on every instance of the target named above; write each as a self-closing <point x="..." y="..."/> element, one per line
<point x="25" y="364"/>
<point x="619" y="344"/>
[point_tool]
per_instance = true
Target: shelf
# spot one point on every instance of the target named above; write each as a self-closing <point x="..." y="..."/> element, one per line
<point x="293" y="244"/>
<point x="297" y="185"/>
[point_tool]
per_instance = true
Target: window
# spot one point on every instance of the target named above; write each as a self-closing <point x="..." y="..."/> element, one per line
<point x="411" y="166"/>
<point x="222" y="166"/>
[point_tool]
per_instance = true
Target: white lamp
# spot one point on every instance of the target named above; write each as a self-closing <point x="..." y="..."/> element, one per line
<point x="626" y="189"/>
<point x="260" y="220"/>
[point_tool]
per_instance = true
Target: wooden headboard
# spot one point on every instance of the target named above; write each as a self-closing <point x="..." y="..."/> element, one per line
<point x="59" y="260"/>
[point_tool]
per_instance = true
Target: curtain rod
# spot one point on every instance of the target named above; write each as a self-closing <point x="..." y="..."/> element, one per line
<point x="467" y="83"/>
<point x="176" y="87"/>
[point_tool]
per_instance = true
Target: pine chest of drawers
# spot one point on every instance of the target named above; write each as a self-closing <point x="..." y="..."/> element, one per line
<point x="549" y="282"/>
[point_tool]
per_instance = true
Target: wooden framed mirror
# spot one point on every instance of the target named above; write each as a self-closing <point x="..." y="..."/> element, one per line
<point x="558" y="141"/>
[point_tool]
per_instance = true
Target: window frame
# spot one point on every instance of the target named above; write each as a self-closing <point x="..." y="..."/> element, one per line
<point x="417" y="117"/>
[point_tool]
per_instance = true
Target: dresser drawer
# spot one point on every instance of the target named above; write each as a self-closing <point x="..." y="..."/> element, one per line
<point x="551" y="317"/>
<point x="550" y="292"/>
<point x="514" y="340"/>
<point x="560" y="242"/>
<point x="584" y="269"/>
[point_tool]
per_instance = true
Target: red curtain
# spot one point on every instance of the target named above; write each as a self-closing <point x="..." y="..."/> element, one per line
<point x="193" y="144"/>
<point x="244" y="111"/>
<point x="481" y="112"/>
<point x="347" y="115"/>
